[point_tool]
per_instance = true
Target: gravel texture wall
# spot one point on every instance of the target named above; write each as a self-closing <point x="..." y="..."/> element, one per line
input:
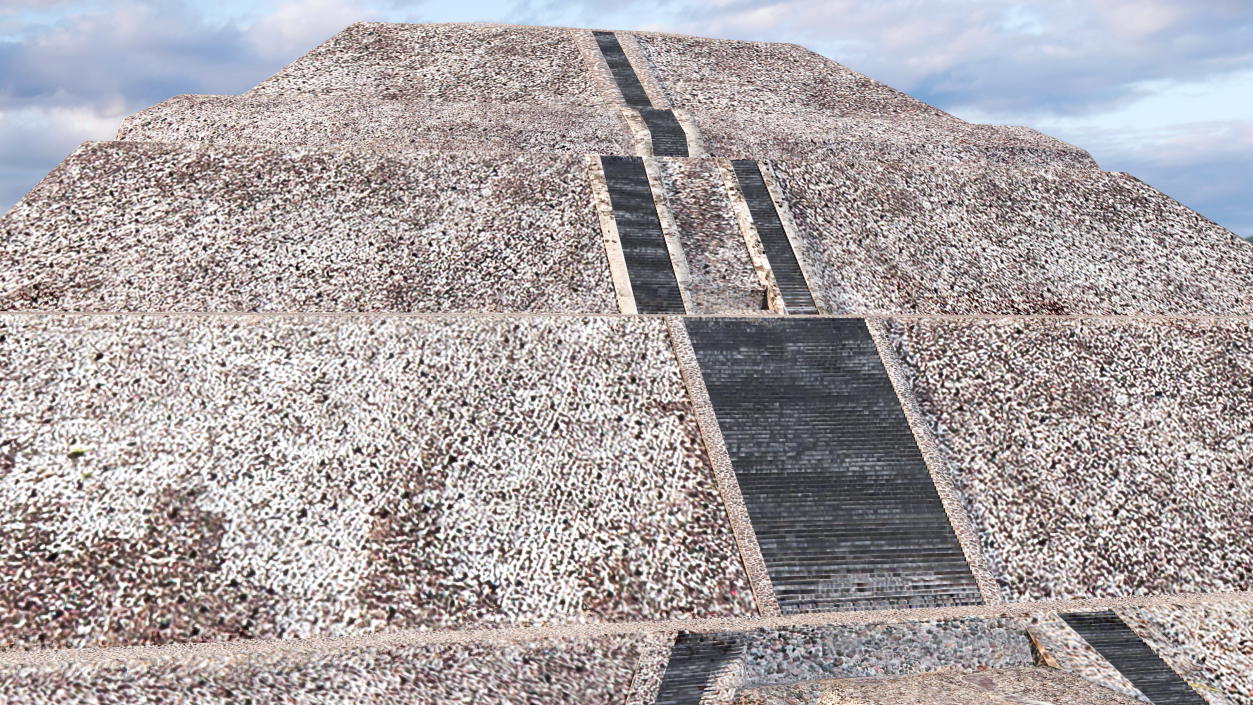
<point x="386" y="124"/>
<point x="174" y="479"/>
<point x="539" y="673"/>
<point x="123" y="226"/>
<point x="905" y="238"/>
<point x="722" y="275"/>
<point x="1097" y="458"/>
<point x="858" y="651"/>
<point x="455" y="63"/>
<point x="818" y="136"/>
<point x="1013" y="685"/>
<point x="718" y="74"/>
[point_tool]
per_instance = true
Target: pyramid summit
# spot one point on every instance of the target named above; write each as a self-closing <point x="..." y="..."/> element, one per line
<point x="493" y="363"/>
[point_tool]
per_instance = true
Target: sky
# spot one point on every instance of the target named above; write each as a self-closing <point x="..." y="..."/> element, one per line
<point x="1162" y="89"/>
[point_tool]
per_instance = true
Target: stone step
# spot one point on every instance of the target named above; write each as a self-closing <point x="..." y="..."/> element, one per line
<point x="539" y="670"/>
<point x="647" y="665"/>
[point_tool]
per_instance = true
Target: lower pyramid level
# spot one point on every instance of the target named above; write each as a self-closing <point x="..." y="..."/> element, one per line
<point x="600" y="508"/>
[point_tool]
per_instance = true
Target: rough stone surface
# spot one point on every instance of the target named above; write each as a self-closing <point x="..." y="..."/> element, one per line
<point x="858" y="651"/>
<point x="123" y="226"/>
<point x="455" y="63"/>
<point x="719" y="74"/>
<point x="385" y="124"/>
<point x="1210" y="646"/>
<point x="722" y="275"/>
<point x="1074" y="655"/>
<point x="549" y="671"/>
<point x="810" y="136"/>
<point x="1025" y="685"/>
<point x="901" y="238"/>
<point x="211" y="478"/>
<point x="1097" y="458"/>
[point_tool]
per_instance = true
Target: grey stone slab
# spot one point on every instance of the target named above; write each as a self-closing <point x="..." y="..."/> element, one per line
<point x="1096" y="458"/>
<point x="455" y="62"/>
<point x="125" y="226"/>
<point x="350" y="121"/>
<point x="916" y="238"/>
<point x="815" y="653"/>
<point x="202" y="478"/>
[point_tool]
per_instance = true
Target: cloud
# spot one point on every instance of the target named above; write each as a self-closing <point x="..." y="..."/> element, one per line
<point x="32" y="140"/>
<point x="1060" y="56"/>
<point x="74" y="74"/>
<point x="1205" y="166"/>
<point x="296" y="27"/>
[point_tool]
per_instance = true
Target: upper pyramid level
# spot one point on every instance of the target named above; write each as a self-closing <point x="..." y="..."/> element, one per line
<point x="493" y="168"/>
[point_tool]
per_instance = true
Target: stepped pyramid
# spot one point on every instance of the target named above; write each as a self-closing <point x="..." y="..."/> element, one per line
<point x="487" y="363"/>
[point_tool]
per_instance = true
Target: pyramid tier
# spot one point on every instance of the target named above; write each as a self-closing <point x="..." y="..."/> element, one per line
<point x="187" y="477"/>
<point x="383" y="124"/>
<point x="191" y="478"/>
<point x="1096" y="457"/>
<point x="455" y="63"/>
<point x="126" y="226"/>
<point x="946" y="660"/>
<point x="460" y="63"/>
<point x="515" y="128"/>
<point x="136" y="226"/>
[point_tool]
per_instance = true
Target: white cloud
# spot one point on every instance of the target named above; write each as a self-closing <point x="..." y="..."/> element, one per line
<point x="294" y="28"/>
<point x="32" y="135"/>
<point x="34" y="139"/>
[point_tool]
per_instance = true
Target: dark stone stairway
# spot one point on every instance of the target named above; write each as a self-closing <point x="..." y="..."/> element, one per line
<point x="1127" y="652"/>
<point x="639" y="230"/>
<point x="695" y="661"/>
<point x="669" y="139"/>
<point x="787" y="269"/>
<point x="632" y="90"/>
<point x="841" y="501"/>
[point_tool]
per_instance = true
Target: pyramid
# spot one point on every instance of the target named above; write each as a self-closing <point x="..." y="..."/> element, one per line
<point x="492" y="363"/>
